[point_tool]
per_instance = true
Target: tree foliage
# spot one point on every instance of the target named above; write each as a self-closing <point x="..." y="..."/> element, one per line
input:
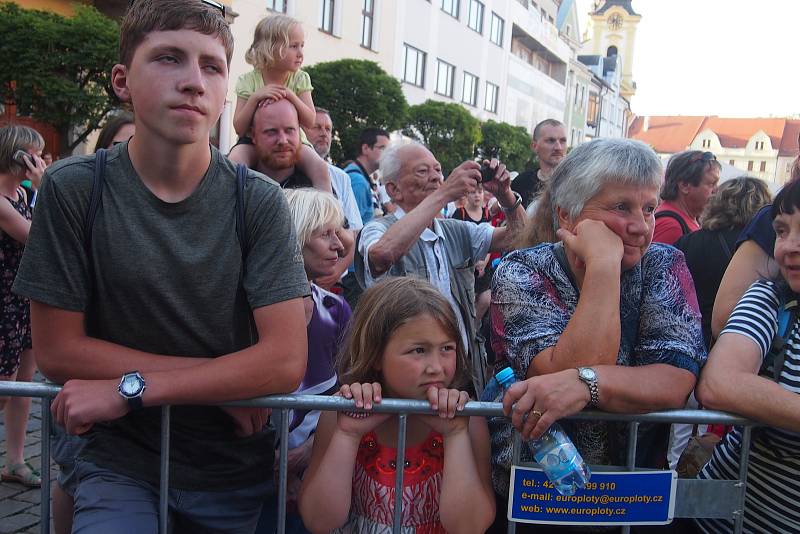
<point x="359" y="94"/>
<point x="514" y="143"/>
<point x="448" y="130"/>
<point x="57" y="69"/>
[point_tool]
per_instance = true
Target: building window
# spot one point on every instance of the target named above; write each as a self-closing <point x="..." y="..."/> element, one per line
<point x="326" y="20"/>
<point x="591" y="114"/>
<point x="450" y="7"/>
<point x="763" y="166"/>
<point x="445" y="74"/>
<point x="490" y="100"/>
<point x="759" y="145"/>
<point x="277" y="5"/>
<point x="367" y="20"/>
<point x="475" y="19"/>
<point x="496" y="30"/>
<point x="469" y="91"/>
<point x="414" y="70"/>
<point x="749" y="165"/>
<point x="732" y="163"/>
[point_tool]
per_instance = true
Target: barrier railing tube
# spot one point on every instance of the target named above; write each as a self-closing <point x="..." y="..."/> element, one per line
<point x="403" y="407"/>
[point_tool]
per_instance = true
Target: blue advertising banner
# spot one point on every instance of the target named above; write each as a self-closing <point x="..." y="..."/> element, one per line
<point x="609" y="498"/>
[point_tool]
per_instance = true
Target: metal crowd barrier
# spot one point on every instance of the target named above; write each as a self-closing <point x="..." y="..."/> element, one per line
<point x="724" y="499"/>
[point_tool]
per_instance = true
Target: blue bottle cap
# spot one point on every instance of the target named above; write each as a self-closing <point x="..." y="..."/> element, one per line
<point x="506" y="376"/>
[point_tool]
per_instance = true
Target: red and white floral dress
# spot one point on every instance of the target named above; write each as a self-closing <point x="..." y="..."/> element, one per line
<point x="372" y="507"/>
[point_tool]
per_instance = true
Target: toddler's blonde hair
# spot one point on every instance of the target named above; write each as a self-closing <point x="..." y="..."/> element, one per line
<point x="270" y="40"/>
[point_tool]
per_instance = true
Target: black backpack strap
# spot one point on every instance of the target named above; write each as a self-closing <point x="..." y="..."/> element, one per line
<point x="780" y="341"/>
<point x="241" y="225"/>
<point x="772" y="365"/>
<point x="241" y="235"/>
<point x="725" y="248"/>
<point x="675" y="215"/>
<point x="94" y="200"/>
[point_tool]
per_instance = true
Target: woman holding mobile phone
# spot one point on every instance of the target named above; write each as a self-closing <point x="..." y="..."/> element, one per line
<point x="20" y="148"/>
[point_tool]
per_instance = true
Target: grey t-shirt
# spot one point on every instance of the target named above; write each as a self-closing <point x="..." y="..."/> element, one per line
<point x="166" y="281"/>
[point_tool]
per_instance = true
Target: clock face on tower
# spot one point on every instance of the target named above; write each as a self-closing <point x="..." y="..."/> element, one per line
<point x="615" y="21"/>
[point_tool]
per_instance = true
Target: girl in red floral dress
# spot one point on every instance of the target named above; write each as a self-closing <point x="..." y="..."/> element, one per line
<point x="404" y="342"/>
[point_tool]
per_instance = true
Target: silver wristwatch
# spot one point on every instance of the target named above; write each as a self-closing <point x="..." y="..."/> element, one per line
<point x="517" y="203"/>
<point x="131" y="387"/>
<point x="589" y="377"/>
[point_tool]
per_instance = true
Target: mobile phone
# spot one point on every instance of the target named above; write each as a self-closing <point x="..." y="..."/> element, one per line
<point x="20" y="156"/>
<point x="487" y="173"/>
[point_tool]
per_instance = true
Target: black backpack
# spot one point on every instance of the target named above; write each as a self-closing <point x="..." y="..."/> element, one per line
<point x="674" y="215"/>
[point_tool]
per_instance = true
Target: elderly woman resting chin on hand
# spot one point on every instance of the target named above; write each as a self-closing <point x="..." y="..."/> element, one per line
<point x="601" y="319"/>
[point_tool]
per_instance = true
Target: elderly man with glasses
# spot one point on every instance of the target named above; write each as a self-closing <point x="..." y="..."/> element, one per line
<point x="415" y="241"/>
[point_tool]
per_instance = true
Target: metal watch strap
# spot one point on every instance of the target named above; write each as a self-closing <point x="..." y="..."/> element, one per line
<point x="594" y="390"/>
<point x="517" y="203"/>
<point x="594" y="393"/>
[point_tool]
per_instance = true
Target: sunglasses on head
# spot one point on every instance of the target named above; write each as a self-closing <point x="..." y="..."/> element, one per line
<point x="705" y="156"/>
<point x="212" y="3"/>
<point x="216" y="5"/>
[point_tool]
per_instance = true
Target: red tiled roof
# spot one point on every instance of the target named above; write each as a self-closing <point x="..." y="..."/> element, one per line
<point x="734" y="133"/>
<point x="670" y="134"/>
<point x="666" y="134"/>
<point x="791" y="139"/>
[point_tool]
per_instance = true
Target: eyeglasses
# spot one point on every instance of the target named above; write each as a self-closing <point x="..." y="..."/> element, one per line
<point x="212" y="3"/>
<point x="705" y="156"/>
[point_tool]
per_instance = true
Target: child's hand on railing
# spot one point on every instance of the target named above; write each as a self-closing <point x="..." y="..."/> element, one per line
<point x="365" y="395"/>
<point x="447" y="402"/>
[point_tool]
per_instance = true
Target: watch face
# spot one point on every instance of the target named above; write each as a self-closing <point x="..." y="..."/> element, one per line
<point x="130" y="385"/>
<point x="588" y="373"/>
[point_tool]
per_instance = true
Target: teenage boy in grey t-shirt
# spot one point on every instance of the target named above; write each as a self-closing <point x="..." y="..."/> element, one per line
<point x="162" y="305"/>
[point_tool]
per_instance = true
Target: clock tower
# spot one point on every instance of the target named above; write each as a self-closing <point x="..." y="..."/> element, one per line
<point x="612" y="31"/>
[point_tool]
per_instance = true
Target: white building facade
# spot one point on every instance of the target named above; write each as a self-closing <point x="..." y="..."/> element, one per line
<point x="503" y="60"/>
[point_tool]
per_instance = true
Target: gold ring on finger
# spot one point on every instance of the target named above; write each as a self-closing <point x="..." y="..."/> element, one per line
<point x="536" y="413"/>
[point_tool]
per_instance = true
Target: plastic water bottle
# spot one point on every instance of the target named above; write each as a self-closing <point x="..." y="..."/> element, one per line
<point x="554" y="451"/>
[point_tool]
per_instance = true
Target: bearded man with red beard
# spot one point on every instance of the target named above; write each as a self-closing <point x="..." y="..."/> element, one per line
<point x="276" y="137"/>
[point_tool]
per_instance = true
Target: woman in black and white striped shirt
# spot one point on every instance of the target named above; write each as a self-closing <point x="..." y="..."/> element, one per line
<point x="730" y="382"/>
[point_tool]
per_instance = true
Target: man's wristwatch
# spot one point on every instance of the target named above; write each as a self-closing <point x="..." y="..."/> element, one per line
<point x="517" y="203"/>
<point x="131" y="387"/>
<point x="589" y="377"/>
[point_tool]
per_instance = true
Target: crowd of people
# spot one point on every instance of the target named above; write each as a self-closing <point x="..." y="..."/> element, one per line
<point x="158" y="271"/>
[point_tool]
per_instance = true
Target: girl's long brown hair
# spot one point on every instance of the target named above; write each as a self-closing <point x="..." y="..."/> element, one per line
<point x="382" y="309"/>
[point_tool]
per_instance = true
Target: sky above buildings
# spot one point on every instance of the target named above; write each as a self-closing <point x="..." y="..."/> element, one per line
<point x="715" y="57"/>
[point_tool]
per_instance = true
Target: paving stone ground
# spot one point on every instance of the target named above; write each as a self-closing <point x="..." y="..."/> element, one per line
<point x="19" y="505"/>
